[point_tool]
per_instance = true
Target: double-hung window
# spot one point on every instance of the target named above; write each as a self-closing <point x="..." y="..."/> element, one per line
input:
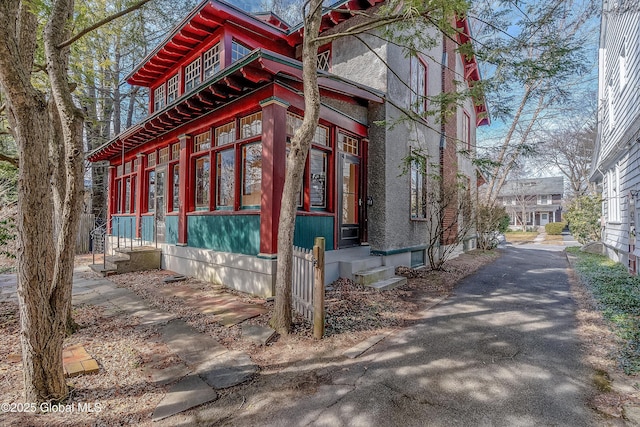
<point x="192" y="75"/>
<point x="419" y="188"/>
<point x="418" y="85"/>
<point x="613" y="187"/>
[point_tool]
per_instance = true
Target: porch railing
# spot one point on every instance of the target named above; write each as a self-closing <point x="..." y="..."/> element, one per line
<point x="124" y="232"/>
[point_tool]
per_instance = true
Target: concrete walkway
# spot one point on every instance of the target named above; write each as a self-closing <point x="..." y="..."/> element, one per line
<point x="206" y="365"/>
<point x="501" y="351"/>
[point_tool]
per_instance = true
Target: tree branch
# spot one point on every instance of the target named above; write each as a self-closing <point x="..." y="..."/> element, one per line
<point x="11" y="160"/>
<point x="101" y="23"/>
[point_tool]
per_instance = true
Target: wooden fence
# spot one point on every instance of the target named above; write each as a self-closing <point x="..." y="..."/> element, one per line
<point x="308" y="285"/>
<point x="85" y="226"/>
<point x="302" y="281"/>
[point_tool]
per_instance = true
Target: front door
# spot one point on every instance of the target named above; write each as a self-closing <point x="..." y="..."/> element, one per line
<point x="349" y="201"/>
<point x="161" y="207"/>
<point x="544" y="218"/>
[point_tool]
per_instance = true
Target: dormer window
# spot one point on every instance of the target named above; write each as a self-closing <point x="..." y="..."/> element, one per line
<point x="211" y="61"/>
<point x="172" y="89"/>
<point x="238" y="51"/>
<point x="158" y="97"/>
<point x="192" y="75"/>
<point x="324" y="63"/>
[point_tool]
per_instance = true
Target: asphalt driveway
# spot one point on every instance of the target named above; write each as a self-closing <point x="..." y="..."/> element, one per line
<point x="502" y="351"/>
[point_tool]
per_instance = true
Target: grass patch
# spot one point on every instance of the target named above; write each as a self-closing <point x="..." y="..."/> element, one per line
<point x="520" y="236"/>
<point x="617" y="294"/>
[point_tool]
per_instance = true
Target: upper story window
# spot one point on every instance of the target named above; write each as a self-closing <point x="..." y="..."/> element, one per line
<point x="192" y="75"/>
<point x="466" y="131"/>
<point x="418" y="86"/>
<point x="324" y="60"/>
<point x="226" y="134"/>
<point x="238" y="51"/>
<point x="158" y="97"/>
<point x="172" y="88"/>
<point x="544" y="199"/>
<point x="211" y="61"/>
<point x="623" y="63"/>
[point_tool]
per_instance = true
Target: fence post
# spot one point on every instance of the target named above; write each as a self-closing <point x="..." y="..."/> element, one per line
<point x="318" y="288"/>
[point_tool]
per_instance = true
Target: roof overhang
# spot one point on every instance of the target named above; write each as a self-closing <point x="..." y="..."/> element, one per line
<point x="255" y="70"/>
<point x="472" y="71"/>
<point x="203" y="21"/>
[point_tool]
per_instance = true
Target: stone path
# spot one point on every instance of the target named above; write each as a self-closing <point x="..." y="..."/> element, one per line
<point x="206" y="365"/>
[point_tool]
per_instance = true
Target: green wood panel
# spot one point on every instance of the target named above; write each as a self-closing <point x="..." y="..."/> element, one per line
<point x="171" y="232"/>
<point x="147" y="229"/>
<point x="310" y="227"/>
<point x="226" y="233"/>
<point x="123" y="226"/>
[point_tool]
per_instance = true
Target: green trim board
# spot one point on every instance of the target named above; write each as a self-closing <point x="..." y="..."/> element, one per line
<point x="123" y="226"/>
<point x="399" y="251"/>
<point x="225" y="233"/>
<point x="147" y="231"/>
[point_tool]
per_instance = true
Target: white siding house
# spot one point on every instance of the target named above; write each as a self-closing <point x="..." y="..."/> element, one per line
<point x="616" y="163"/>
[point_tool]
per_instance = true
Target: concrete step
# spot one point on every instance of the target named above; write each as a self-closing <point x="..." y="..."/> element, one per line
<point x="348" y="269"/>
<point x="375" y="274"/>
<point x="385" y="285"/>
<point x="101" y="269"/>
<point x="113" y="261"/>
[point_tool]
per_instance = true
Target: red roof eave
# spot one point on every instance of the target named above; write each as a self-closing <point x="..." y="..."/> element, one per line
<point x="472" y="72"/>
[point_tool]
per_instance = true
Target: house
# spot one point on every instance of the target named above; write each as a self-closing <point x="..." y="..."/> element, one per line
<point x="616" y="161"/>
<point x="203" y="174"/>
<point x="537" y="200"/>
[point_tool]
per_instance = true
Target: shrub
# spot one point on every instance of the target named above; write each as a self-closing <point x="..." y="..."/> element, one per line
<point x="554" y="228"/>
<point x="583" y="216"/>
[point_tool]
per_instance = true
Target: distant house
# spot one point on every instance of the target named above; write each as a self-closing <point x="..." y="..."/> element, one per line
<point x="616" y="162"/>
<point x="537" y="200"/>
<point x="203" y="174"/>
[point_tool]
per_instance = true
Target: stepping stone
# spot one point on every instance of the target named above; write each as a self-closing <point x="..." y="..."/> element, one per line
<point x="187" y="393"/>
<point x="227" y="370"/>
<point x="239" y="314"/>
<point x="168" y="375"/>
<point x="260" y="335"/>
<point x="190" y="345"/>
<point x="76" y="361"/>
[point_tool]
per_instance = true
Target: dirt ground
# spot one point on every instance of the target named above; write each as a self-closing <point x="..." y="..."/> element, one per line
<point x="124" y="349"/>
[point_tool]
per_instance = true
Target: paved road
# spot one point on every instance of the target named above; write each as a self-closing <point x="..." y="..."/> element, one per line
<point x="501" y="352"/>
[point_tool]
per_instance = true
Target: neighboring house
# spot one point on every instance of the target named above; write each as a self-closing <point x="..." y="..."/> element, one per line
<point x="616" y="161"/>
<point x="537" y="200"/>
<point x="203" y="174"/>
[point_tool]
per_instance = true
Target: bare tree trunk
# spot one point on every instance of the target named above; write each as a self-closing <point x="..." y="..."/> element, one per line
<point x="281" y="320"/>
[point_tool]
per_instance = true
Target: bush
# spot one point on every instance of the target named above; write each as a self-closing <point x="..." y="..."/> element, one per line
<point x="583" y="216"/>
<point x="490" y="221"/>
<point x="554" y="228"/>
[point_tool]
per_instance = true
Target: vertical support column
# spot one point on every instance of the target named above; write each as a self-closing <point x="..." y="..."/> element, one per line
<point x="111" y="197"/>
<point x="186" y="193"/>
<point x="142" y="164"/>
<point x="274" y="144"/>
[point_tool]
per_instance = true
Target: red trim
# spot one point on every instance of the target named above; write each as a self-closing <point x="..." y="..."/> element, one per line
<point x="140" y="192"/>
<point x="186" y="198"/>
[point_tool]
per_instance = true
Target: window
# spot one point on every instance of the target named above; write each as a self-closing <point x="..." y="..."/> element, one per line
<point x="175" y="188"/>
<point x="202" y="183"/>
<point x="119" y="196"/>
<point x="324" y="61"/>
<point x="417" y="258"/>
<point x="251" y="125"/>
<point x="172" y="88"/>
<point x="202" y="141"/>
<point x="151" y="160"/>
<point x="127" y="195"/>
<point x="544" y="199"/>
<point x="211" y="61"/>
<point x="151" y="193"/>
<point x="321" y="137"/>
<point x="318" y="187"/>
<point x="158" y="98"/>
<point x="418" y="86"/>
<point x="418" y="188"/>
<point x="348" y="144"/>
<point x="175" y="151"/>
<point x="466" y="131"/>
<point x="251" y="174"/>
<point x="614" y="194"/>
<point x="163" y="155"/>
<point x="612" y="115"/>
<point x="192" y="75"/>
<point x="226" y="134"/>
<point x="225" y="161"/>
<point x="238" y="51"/>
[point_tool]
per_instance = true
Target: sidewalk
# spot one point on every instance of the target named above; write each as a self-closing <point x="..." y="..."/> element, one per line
<point x="206" y="365"/>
